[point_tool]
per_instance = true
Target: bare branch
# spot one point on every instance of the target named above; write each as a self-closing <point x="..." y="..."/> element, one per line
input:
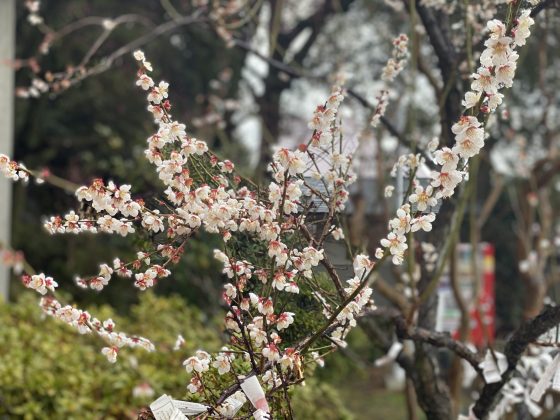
<point x="545" y="4"/>
<point x="434" y="338"/>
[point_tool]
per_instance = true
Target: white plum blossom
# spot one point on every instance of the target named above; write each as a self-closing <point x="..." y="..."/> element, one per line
<point x="423" y="198"/>
<point x="423" y="223"/>
<point x="395" y="242"/>
<point x="362" y="265"/>
<point x="222" y="363"/>
<point x="40" y="283"/>
<point x="198" y="363"/>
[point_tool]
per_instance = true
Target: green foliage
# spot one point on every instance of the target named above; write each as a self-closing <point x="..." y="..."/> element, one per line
<point x="47" y="370"/>
<point x="319" y="401"/>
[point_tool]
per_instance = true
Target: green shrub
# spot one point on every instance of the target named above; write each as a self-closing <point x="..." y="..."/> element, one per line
<point x="48" y="371"/>
<point x="318" y="400"/>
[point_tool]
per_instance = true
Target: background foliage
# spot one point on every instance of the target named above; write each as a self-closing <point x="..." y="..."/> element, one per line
<point x="47" y="372"/>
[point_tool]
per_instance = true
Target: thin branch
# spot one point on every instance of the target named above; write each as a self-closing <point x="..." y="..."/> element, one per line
<point x="391" y="128"/>
<point x="490" y="202"/>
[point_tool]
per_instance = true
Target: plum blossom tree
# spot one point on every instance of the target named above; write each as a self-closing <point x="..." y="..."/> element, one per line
<point x="271" y="247"/>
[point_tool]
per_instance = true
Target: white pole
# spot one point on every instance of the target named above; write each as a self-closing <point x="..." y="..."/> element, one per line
<point x="7" y="43"/>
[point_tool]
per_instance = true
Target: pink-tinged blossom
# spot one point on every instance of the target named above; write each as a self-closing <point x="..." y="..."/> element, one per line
<point x="265" y="306"/>
<point x="289" y="359"/>
<point x="271" y="352"/>
<point x="197" y="364"/>
<point x="447" y="158"/>
<point x="484" y="81"/>
<point x="110" y="353"/>
<point x="222" y="364"/>
<point x="194" y="385"/>
<point x="12" y="169"/>
<point x="497" y="51"/>
<point x="447" y="180"/>
<point x="284" y="320"/>
<point x="40" y="283"/>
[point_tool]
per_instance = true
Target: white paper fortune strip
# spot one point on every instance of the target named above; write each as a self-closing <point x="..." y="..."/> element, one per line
<point x="252" y="388"/>
<point x="190" y="408"/>
<point x="261" y="415"/>
<point x="491" y="370"/>
<point x="233" y="404"/>
<point x="166" y="408"/>
<point x="163" y="408"/>
<point x="391" y="355"/>
<point x="551" y="373"/>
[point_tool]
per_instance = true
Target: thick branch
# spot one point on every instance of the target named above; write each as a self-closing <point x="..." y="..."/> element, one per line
<point x="434" y="338"/>
<point x="515" y="347"/>
<point x="437" y="339"/>
<point x="545" y="4"/>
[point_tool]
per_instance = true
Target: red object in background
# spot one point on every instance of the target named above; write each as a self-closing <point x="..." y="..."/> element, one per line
<point x="483" y="314"/>
<point x="482" y="308"/>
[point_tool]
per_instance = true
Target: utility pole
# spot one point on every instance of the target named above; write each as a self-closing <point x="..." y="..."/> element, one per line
<point x="7" y="47"/>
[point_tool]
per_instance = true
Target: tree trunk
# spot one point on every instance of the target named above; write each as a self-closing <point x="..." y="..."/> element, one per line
<point x="269" y="110"/>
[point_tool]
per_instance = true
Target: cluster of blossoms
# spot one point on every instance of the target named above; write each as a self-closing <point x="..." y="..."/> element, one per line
<point x="40" y="283"/>
<point x="82" y="320"/>
<point x="214" y="200"/>
<point x="32" y="6"/>
<point x="207" y="193"/>
<point x="12" y="169"/>
<point x="13" y="259"/>
<point x="392" y="69"/>
<point x="112" y="201"/>
<point x="498" y="64"/>
<point x="396" y="63"/>
<point x="346" y="318"/>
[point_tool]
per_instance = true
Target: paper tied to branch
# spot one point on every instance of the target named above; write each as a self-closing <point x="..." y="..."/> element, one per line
<point x="253" y="389"/>
<point x="261" y="415"/>
<point x="166" y="408"/>
<point x="493" y="366"/>
<point x="232" y="405"/>
<point x="391" y="355"/>
<point x="549" y="378"/>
